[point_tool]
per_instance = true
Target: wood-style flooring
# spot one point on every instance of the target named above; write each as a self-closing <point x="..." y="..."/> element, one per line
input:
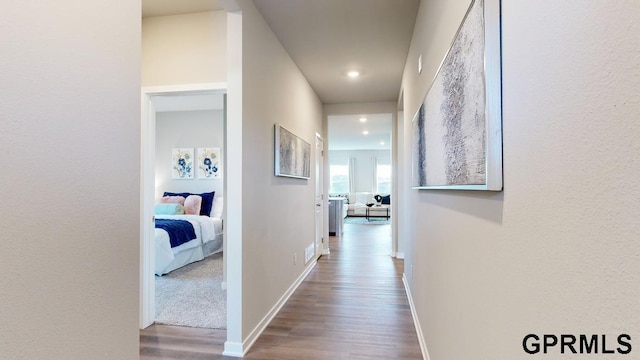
<point x="351" y="306"/>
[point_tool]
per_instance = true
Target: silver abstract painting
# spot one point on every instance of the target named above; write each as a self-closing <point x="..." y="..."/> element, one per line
<point x="450" y="128"/>
<point x="292" y="155"/>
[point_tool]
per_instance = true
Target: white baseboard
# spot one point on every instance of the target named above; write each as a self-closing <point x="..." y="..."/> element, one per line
<point x="400" y="255"/>
<point x="326" y="251"/>
<point x="233" y="349"/>
<point x="240" y="350"/>
<point x="416" y="322"/>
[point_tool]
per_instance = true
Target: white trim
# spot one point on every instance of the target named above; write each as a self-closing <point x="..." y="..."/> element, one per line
<point x="240" y="350"/>
<point x="398" y="255"/>
<point x="184" y="88"/>
<point x="319" y="176"/>
<point x="147" y="170"/>
<point x="416" y="322"/>
<point x="233" y="213"/>
<point x="147" y="181"/>
<point x="233" y="349"/>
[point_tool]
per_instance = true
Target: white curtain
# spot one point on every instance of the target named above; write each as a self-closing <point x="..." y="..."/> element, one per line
<point x="374" y="174"/>
<point x="352" y="174"/>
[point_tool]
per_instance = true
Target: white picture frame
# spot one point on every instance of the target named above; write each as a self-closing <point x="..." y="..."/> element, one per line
<point x="209" y="163"/>
<point x="292" y="154"/>
<point x="182" y="163"/>
<point x="457" y="131"/>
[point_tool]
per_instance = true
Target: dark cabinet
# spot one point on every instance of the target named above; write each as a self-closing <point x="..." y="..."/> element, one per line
<point x="336" y="220"/>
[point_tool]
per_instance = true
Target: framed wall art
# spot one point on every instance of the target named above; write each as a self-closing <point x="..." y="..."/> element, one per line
<point x="292" y="155"/>
<point x="209" y="163"/>
<point x="457" y="131"/>
<point x="182" y="162"/>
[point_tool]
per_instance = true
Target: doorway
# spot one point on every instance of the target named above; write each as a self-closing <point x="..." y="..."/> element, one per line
<point x="173" y="100"/>
<point x="360" y="168"/>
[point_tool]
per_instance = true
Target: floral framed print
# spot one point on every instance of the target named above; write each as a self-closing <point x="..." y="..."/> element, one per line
<point x="209" y="163"/>
<point x="457" y="130"/>
<point x="182" y="163"/>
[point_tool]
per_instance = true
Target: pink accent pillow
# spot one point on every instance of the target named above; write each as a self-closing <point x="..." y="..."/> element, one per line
<point x="172" y="200"/>
<point x="192" y="205"/>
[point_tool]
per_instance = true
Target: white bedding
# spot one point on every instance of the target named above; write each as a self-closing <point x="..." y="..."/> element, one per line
<point x="207" y="229"/>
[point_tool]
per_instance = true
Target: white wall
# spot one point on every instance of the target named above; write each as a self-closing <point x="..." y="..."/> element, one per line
<point x="557" y="251"/>
<point x="187" y="129"/>
<point x="70" y="144"/>
<point x="277" y="212"/>
<point x="184" y="49"/>
<point x="364" y="165"/>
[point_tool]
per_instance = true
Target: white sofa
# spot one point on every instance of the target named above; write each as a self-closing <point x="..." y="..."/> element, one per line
<point x="356" y="203"/>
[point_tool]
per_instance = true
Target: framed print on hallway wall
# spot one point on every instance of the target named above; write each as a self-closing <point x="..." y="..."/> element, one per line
<point x="182" y="163"/>
<point x="292" y="155"/>
<point x="457" y="131"/>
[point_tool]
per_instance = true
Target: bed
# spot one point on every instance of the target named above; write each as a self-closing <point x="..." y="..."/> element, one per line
<point x="208" y="240"/>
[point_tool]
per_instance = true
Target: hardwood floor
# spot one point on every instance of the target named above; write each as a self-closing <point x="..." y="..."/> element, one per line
<point x="351" y="306"/>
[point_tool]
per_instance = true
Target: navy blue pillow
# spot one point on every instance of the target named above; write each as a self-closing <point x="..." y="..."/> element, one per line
<point x="184" y="195"/>
<point x="207" y="200"/>
<point x="386" y="200"/>
<point x="207" y="203"/>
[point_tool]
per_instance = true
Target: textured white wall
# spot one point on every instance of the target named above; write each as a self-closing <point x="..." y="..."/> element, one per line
<point x="184" y="49"/>
<point x="187" y="129"/>
<point x="70" y="145"/>
<point x="277" y="212"/>
<point x="557" y="251"/>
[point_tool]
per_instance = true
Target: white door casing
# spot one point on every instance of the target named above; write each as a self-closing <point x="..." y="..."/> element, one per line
<point x="319" y="196"/>
<point x="147" y="187"/>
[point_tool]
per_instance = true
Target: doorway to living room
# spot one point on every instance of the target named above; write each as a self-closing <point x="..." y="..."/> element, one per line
<point x="360" y="171"/>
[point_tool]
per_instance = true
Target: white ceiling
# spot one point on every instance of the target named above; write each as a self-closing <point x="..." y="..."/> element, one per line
<point x="327" y="38"/>
<point x="346" y="132"/>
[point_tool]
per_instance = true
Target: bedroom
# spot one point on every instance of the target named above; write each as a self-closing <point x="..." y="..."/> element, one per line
<point x="192" y="270"/>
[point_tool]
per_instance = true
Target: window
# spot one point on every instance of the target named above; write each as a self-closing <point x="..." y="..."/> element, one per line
<point x="383" y="179"/>
<point x="339" y="179"/>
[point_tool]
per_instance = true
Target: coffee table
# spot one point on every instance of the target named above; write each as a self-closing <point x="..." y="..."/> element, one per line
<point x="371" y="210"/>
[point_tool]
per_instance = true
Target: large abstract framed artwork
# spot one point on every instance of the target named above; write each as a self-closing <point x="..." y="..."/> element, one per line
<point x="292" y="155"/>
<point x="457" y="131"/>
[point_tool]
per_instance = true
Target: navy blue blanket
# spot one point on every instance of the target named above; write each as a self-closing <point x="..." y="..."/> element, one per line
<point x="180" y="231"/>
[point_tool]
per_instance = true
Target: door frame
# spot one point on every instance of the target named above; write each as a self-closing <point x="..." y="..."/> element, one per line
<point x="147" y="186"/>
<point x="319" y="223"/>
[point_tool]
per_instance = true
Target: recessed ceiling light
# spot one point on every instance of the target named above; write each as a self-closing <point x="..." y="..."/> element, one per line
<point x="365" y="132"/>
<point x="363" y="119"/>
<point x="353" y="74"/>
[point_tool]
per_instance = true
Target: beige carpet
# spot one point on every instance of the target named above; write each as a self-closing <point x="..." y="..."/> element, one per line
<point x="192" y="295"/>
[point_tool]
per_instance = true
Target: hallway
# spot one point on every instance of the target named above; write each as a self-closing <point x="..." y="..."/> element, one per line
<point x="351" y="306"/>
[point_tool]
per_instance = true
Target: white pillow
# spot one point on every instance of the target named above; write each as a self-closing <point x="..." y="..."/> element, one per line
<point x="363" y="198"/>
<point x="216" y="209"/>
